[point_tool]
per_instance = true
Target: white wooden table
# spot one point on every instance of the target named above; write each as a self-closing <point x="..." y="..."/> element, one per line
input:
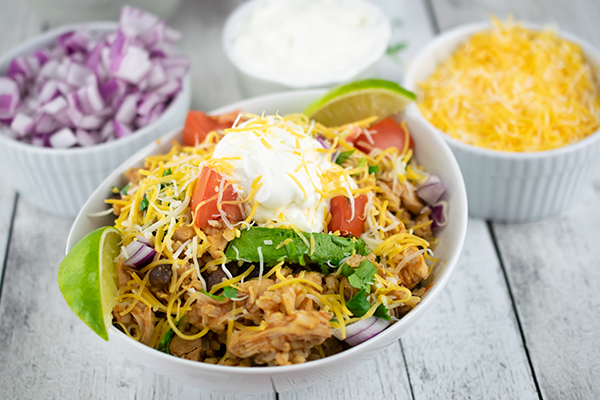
<point x="520" y="318"/>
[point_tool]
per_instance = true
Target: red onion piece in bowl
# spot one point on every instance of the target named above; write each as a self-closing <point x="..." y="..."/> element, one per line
<point x="431" y="190"/>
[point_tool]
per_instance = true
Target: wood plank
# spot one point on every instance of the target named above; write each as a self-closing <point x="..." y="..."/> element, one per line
<point x="47" y="352"/>
<point x="542" y="258"/>
<point x="468" y="345"/>
<point x="384" y="377"/>
<point x="16" y="24"/>
<point x="553" y="272"/>
<point x="213" y="77"/>
<point x="579" y="17"/>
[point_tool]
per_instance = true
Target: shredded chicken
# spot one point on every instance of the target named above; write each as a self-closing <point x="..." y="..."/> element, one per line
<point x="189" y="349"/>
<point x="142" y="318"/>
<point x="211" y="313"/>
<point x="414" y="270"/>
<point x="283" y="335"/>
<point x="218" y="241"/>
<point x="410" y="200"/>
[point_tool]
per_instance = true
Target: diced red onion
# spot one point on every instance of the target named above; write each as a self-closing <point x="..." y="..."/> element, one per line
<point x="439" y="214"/>
<point x="364" y="330"/>
<point x="139" y="253"/>
<point x="55" y="106"/>
<point x="120" y="129"/>
<point x="22" y="124"/>
<point x="63" y="139"/>
<point x="85" y="138"/>
<point x="321" y="139"/>
<point x="127" y="110"/>
<point x="134" y="22"/>
<point x="9" y="97"/>
<point x="100" y="86"/>
<point x="45" y="124"/>
<point x="132" y="65"/>
<point x="431" y="190"/>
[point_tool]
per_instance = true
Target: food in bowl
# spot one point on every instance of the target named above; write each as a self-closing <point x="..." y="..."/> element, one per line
<point x="513" y="89"/>
<point x="278" y="45"/>
<point x="93" y="87"/>
<point x="269" y="240"/>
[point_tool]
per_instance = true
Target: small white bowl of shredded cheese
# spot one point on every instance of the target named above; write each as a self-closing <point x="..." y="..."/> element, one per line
<point x="502" y="185"/>
<point x="299" y="44"/>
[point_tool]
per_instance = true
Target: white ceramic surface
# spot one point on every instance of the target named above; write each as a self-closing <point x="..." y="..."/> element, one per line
<point x="512" y="187"/>
<point x="253" y="83"/>
<point x="59" y="181"/>
<point x="431" y="152"/>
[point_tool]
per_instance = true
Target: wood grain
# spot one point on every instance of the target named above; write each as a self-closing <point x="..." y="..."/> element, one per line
<point x="553" y="271"/>
<point x="17" y="23"/>
<point x="468" y="345"/>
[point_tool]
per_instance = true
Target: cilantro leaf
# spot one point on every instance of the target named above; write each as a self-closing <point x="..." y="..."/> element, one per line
<point x="144" y="204"/>
<point x="347" y="270"/>
<point x="363" y="275"/>
<point x="373" y="169"/>
<point x="125" y="189"/>
<point x="382" y="312"/>
<point x="395" y="48"/>
<point x="359" y="305"/>
<point x="230" y="292"/>
<point x="166" y="339"/>
<point x="343" y="156"/>
<point x="362" y="162"/>
<point x="167" y="172"/>
<point x="214" y="296"/>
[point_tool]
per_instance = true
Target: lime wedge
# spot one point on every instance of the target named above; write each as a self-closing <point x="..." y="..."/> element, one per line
<point x="359" y="100"/>
<point x="88" y="280"/>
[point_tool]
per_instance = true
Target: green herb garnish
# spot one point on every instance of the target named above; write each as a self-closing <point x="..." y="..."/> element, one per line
<point x="166" y="339"/>
<point x="230" y="292"/>
<point x="382" y="312"/>
<point x="359" y="305"/>
<point x="394" y="49"/>
<point x="346" y="270"/>
<point x="125" y="189"/>
<point x="144" y="204"/>
<point x="373" y="169"/>
<point x="214" y="296"/>
<point x="362" y="278"/>
<point x="343" y="156"/>
<point x="167" y="172"/>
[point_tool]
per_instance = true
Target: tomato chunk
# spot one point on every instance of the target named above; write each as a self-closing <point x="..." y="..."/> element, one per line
<point x="341" y="215"/>
<point x="198" y="125"/>
<point x="204" y="199"/>
<point x="386" y="133"/>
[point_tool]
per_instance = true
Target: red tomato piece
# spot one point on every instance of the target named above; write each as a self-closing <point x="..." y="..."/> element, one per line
<point x="204" y="199"/>
<point x="198" y="125"/>
<point x="386" y="133"/>
<point x="341" y="215"/>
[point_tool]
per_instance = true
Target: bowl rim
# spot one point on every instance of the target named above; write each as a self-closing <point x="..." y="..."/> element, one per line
<point x="408" y="320"/>
<point x="38" y="42"/>
<point x="241" y="14"/>
<point x="465" y="31"/>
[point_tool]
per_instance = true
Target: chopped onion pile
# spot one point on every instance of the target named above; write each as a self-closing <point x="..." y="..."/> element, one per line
<point x="139" y="253"/>
<point x="431" y="191"/>
<point x="92" y="88"/>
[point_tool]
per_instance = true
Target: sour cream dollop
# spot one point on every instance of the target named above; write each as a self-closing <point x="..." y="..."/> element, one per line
<point x="304" y="43"/>
<point x="288" y="162"/>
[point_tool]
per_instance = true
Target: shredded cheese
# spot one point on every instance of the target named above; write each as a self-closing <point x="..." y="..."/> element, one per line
<point x="515" y="90"/>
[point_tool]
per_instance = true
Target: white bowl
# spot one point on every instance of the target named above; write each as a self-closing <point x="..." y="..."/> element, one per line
<point x="512" y="187"/>
<point x="256" y="83"/>
<point x="431" y="152"/>
<point x="59" y="181"/>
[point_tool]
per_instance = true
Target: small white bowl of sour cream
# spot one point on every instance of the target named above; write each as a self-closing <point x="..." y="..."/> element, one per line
<point x="300" y="44"/>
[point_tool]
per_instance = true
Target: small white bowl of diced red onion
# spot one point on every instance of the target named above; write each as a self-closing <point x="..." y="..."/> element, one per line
<point x="77" y="101"/>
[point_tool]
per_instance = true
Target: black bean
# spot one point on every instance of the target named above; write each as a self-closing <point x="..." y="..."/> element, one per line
<point x="215" y="278"/>
<point x="160" y="275"/>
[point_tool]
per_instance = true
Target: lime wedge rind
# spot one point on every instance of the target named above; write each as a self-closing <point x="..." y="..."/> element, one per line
<point x="87" y="278"/>
<point x="359" y="100"/>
